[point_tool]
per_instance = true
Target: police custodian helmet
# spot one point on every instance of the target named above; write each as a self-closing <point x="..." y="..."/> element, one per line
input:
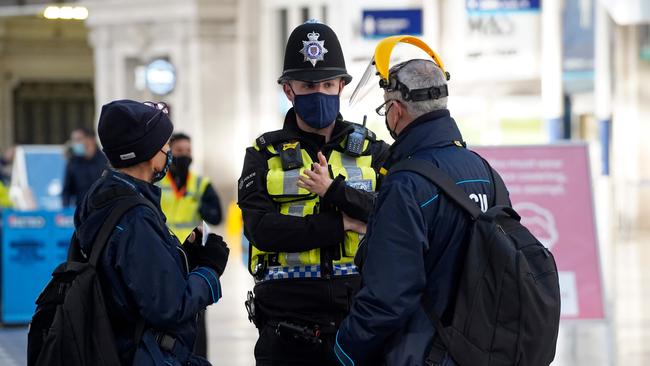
<point x="313" y="53"/>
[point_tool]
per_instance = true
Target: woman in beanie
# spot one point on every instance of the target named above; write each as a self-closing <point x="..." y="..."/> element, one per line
<point x="154" y="288"/>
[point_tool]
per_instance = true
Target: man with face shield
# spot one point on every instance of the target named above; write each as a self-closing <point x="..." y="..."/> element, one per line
<point x="306" y="192"/>
<point x="416" y="239"/>
<point x="154" y="287"/>
<point x="187" y="198"/>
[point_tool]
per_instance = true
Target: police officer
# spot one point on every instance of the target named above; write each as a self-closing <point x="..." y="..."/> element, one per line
<point x="305" y="194"/>
<point x="187" y="198"/>
<point x="420" y="249"/>
<point x="144" y="272"/>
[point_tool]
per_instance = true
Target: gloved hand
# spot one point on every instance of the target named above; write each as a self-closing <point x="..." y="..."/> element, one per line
<point x="214" y="254"/>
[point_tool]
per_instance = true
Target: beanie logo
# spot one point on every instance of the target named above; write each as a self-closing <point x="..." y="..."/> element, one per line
<point x="313" y="49"/>
<point x="128" y="156"/>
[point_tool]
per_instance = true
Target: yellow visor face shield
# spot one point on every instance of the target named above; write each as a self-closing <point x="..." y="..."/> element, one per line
<point x="380" y="63"/>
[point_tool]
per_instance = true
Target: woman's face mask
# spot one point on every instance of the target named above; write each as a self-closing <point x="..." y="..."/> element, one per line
<point x="159" y="175"/>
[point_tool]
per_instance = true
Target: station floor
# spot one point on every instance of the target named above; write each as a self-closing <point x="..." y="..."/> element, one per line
<point x="624" y="340"/>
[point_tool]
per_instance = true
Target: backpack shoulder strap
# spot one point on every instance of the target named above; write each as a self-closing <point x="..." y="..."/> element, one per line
<point x="121" y="206"/>
<point x="441" y="180"/>
<point x="501" y="195"/>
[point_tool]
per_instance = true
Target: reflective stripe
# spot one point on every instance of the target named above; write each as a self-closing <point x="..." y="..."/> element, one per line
<point x="290" y="182"/>
<point x="351" y="167"/>
<point x="343" y="357"/>
<point x="297" y="210"/>
<point x="292" y="259"/>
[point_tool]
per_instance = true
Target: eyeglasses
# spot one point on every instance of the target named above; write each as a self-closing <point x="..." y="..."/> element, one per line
<point x="384" y="107"/>
<point x="161" y="106"/>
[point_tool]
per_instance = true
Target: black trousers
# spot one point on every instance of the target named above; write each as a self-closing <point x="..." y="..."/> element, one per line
<point x="273" y="349"/>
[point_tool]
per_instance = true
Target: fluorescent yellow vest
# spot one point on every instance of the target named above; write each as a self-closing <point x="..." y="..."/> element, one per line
<point x="295" y="201"/>
<point x="4" y="196"/>
<point x="182" y="207"/>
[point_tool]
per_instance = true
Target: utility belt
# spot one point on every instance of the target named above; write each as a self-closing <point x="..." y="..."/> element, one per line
<point x="301" y="331"/>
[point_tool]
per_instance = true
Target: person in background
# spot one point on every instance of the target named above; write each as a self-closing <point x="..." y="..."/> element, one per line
<point x="5" y="201"/>
<point x="6" y="165"/>
<point x="188" y="198"/>
<point x="6" y="161"/>
<point x="84" y="167"/>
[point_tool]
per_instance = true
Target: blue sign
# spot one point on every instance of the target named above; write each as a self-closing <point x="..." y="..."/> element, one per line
<point x="490" y="6"/>
<point x="33" y="244"/>
<point x="578" y="21"/>
<point x="384" y="23"/>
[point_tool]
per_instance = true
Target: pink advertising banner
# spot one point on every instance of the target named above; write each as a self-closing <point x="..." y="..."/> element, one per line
<point x="550" y="187"/>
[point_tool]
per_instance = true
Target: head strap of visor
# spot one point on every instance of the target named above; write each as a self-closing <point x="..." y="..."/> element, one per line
<point x="412" y="95"/>
<point x="389" y="81"/>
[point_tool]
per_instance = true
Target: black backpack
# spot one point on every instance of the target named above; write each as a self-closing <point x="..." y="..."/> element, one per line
<point x="71" y="325"/>
<point x="507" y="309"/>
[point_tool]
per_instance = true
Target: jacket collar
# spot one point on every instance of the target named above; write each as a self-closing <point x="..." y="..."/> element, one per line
<point x="146" y="189"/>
<point x="434" y="129"/>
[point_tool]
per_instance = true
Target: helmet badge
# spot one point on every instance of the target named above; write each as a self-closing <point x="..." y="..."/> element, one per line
<point x="313" y="49"/>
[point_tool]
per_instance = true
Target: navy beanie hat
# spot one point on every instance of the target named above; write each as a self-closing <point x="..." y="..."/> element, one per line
<point x="132" y="132"/>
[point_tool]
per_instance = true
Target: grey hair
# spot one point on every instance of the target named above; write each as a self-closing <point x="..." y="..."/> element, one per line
<point x="419" y="74"/>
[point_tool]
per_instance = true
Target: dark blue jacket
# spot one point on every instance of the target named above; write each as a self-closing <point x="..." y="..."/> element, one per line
<point x="415" y="243"/>
<point x="80" y="174"/>
<point x="143" y="274"/>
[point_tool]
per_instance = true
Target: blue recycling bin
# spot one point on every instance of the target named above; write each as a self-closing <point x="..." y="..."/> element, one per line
<point x="32" y="246"/>
<point x="61" y="231"/>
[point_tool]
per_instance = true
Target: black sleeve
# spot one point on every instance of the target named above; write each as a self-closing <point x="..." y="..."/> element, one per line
<point x="272" y="231"/>
<point x="68" y="186"/>
<point x="210" y="207"/>
<point x="357" y="203"/>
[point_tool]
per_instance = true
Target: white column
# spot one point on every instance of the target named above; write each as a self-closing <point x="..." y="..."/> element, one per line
<point x="100" y="41"/>
<point x="602" y="188"/>
<point x="552" y="93"/>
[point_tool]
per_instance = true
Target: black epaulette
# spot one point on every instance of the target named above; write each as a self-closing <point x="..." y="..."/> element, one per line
<point x="272" y="138"/>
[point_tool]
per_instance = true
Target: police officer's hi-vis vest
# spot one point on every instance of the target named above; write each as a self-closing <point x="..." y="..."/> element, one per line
<point x="292" y="200"/>
<point x="181" y="207"/>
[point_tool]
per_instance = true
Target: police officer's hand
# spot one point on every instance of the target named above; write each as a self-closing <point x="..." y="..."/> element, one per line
<point x="214" y="254"/>
<point x="317" y="181"/>
<point x="350" y="224"/>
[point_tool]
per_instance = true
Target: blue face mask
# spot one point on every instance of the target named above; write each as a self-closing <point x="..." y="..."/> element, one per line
<point x="79" y="149"/>
<point x="318" y="110"/>
<point x="158" y="176"/>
